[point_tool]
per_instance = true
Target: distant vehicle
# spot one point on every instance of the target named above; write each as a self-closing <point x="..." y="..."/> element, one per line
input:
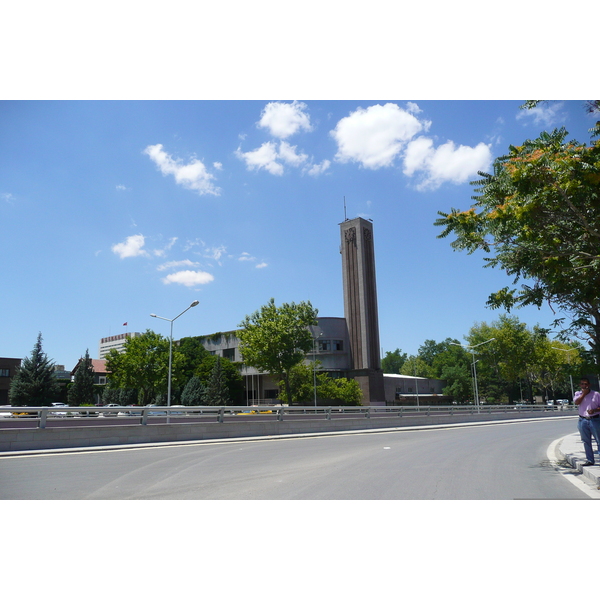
<point x="5" y="413"/>
<point x="59" y="413"/>
<point x="110" y="413"/>
<point x="562" y="401"/>
<point x="155" y="412"/>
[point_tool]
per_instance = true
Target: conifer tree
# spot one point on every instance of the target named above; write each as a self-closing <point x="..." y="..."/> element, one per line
<point x="82" y="389"/>
<point x="34" y="383"/>
<point x="216" y="392"/>
<point x="193" y="392"/>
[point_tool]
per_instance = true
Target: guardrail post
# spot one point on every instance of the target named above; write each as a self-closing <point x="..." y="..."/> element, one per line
<point x="144" y="420"/>
<point x="368" y="413"/>
<point x="221" y="414"/>
<point x="428" y="410"/>
<point x="43" y="415"/>
<point x="328" y="413"/>
<point x="280" y="414"/>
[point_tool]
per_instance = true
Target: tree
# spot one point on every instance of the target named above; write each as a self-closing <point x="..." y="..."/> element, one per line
<point x="417" y="367"/>
<point x="538" y="217"/>
<point x="230" y="374"/>
<point x="216" y="391"/>
<point x="518" y="355"/>
<point x="192" y="392"/>
<point x="338" y="391"/>
<point x="34" y="383"/>
<point x="392" y="361"/>
<point x="275" y="339"/>
<point x="144" y="366"/>
<point x="194" y="353"/>
<point x="82" y="390"/>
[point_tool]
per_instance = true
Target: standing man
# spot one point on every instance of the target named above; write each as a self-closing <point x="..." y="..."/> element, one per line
<point x="588" y="402"/>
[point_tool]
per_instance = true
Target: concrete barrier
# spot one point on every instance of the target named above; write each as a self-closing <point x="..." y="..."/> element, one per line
<point x="14" y="440"/>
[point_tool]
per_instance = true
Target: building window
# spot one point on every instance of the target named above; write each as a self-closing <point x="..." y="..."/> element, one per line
<point x="4" y="372"/>
<point x="338" y="345"/>
<point x="229" y="354"/>
<point x="324" y="345"/>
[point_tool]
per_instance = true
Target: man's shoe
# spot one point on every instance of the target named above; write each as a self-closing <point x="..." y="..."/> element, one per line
<point x="587" y="464"/>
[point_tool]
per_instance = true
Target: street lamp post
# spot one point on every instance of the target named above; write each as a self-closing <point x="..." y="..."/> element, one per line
<point x="472" y="349"/>
<point x="315" y="338"/>
<point x="194" y="303"/>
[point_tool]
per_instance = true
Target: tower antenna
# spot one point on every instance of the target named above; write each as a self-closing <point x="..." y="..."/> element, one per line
<point x="345" y="217"/>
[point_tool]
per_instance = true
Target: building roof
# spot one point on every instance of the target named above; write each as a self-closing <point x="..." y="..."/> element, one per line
<point x="98" y="364"/>
<point x="405" y="376"/>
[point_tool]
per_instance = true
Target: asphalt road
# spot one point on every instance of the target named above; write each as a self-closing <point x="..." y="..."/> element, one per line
<point x="494" y="461"/>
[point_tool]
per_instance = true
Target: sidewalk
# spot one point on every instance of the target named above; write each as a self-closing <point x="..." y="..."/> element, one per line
<point x="571" y="450"/>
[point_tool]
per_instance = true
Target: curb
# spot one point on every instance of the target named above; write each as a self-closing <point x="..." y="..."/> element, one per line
<point x="568" y="451"/>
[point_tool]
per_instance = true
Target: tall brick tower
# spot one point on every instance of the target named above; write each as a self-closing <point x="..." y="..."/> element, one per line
<point x="360" y="307"/>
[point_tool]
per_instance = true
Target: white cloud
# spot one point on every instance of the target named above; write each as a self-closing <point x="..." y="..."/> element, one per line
<point x="272" y="156"/>
<point x="375" y="136"/>
<point x="546" y="115"/>
<point x="444" y="163"/>
<point x="176" y="263"/>
<point x="264" y="157"/>
<point x="283" y="119"/>
<point x="288" y="154"/>
<point x="218" y="166"/>
<point x="188" y="278"/>
<point x="192" y="176"/>
<point x="413" y="108"/>
<point x="132" y="246"/>
<point x="121" y="187"/>
<point x="164" y="250"/>
<point x="315" y="170"/>
<point x="215" y="253"/>
<point x="245" y="256"/>
<point x="261" y="265"/>
<point x="7" y="197"/>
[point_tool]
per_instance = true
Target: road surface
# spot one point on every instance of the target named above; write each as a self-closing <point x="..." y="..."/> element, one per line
<point x="492" y="461"/>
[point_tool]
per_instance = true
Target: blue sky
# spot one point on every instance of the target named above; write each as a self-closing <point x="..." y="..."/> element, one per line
<point x="113" y="210"/>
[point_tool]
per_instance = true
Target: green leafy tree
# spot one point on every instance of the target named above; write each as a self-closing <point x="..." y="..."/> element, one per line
<point x="392" y="361"/>
<point x="275" y="339"/>
<point x="519" y="355"/>
<point x="330" y="391"/>
<point x="144" y="366"/>
<point x="417" y="367"/>
<point x="537" y="216"/>
<point x="194" y="353"/>
<point x="34" y="383"/>
<point x="82" y="390"/>
<point x="338" y="391"/>
<point x="452" y="363"/>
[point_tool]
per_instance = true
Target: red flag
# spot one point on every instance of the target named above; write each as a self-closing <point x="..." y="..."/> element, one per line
<point x="124" y="324"/>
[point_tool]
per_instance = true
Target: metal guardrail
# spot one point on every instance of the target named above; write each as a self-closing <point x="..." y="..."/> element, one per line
<point x="144" y="415"/>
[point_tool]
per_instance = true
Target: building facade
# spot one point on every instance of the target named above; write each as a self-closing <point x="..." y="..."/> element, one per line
<point x="114" y="342"/>
<point x="8" y="369"/>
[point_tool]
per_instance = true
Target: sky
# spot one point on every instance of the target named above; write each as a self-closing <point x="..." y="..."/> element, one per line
<point x="112" y="210"/>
